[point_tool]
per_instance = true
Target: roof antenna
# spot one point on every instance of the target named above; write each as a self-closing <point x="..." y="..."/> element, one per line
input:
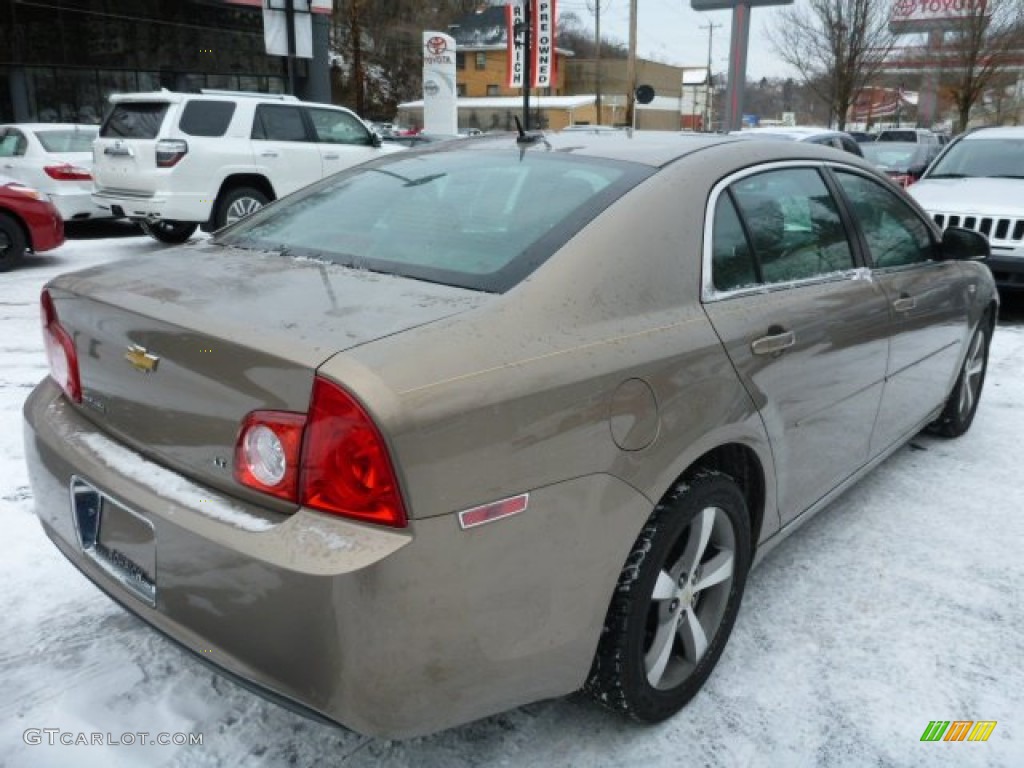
<point x="519" y="128"/>
<point x="528" y="138"/>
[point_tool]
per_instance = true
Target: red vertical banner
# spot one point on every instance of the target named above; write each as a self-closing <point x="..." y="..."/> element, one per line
<point x="544" y="57"/>
<point x="516" y="59"/>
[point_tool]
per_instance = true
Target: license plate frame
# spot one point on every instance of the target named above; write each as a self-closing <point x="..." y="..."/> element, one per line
<point x="117" y="539"/>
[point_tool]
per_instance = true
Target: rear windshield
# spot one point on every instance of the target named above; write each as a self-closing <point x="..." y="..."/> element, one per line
<point x="482" y="219"/>
<point x="898" y="136"/>
<point x="134" y="120"/>
<point x="67" y="140"/>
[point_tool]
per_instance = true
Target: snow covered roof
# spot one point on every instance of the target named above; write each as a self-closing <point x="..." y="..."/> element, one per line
<point x="697" y="76"/>
<point x="514" y="102"/>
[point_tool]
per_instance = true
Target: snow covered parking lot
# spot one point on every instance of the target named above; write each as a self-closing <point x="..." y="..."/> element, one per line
<point x="900" y="604"/>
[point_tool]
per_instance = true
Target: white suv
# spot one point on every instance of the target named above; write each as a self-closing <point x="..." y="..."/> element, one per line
<point x="176" y="161"/>
<point x="978" y="183"/>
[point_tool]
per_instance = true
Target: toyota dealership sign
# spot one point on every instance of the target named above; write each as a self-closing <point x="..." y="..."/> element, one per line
<point x="926" y="15"/>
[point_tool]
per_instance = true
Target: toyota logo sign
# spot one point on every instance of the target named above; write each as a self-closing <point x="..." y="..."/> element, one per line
<point x="437" y="45"/>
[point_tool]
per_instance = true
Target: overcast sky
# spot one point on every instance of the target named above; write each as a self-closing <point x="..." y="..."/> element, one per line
<point x="669" y="31"/>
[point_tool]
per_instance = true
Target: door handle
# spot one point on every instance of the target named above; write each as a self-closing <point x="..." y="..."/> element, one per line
<point x="332" y="156"/>
<point x="904" y="303"/>
<point x="773" y="344"/>
<point x="268" y="153"/>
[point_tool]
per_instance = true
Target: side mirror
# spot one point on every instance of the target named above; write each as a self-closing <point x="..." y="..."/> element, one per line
<point x="964" y="245"/>
<point x="375" y="140"/>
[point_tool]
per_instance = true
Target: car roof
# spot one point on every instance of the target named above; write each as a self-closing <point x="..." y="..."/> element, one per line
<point x="206" y="95"/>
<point x="795" y="132"/>
<point x="995" y="132"/>
<point x="52" y="126"/>
<point x="652" y="148"/>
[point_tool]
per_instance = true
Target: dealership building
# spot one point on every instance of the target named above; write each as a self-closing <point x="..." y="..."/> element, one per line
<point x="61" y="59"/>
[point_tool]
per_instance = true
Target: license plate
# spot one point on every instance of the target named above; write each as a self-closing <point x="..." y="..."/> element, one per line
<point x="118" y="540"/>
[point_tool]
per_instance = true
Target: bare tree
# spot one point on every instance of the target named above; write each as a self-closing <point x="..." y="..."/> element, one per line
<point x="837" y="46"/>
<point x="977" y="49"/>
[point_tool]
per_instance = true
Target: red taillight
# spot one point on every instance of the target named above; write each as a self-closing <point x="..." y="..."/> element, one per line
<point x="60" y="350"/>
<point x="67" y="172"/>
<point x="346" y="469"/>
<point x="169" y="152"/>
<point x="334" y="460"/>
<point x="268" y="451"/>
<point x="902" y="179"/>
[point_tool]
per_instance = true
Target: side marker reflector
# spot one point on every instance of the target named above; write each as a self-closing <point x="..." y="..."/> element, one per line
<point x="488" y="513"/>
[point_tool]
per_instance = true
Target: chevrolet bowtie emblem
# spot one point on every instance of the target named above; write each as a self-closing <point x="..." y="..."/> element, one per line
<point x="140" y="359"/>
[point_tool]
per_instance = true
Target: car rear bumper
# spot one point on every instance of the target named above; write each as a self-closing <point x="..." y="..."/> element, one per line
<point x="194" y="208"/>
<point x="78" y="205"/>
<point x="390" y="633"/>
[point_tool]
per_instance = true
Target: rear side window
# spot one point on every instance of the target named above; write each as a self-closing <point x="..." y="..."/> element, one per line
<point x="67" y="140"/>
<point x="794" y="225"/>
<point x="134" y="120"/>
<point x="481" y="220"/>
<point x="279" y="123"/>
<point x="732" y="263"/>
<point x="206" y="118"/>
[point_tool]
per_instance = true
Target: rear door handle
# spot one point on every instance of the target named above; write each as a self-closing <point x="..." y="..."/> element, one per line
<point x="332" y="156"/>
<point x="774" y="344"/>
<point x="904" y="303"/>
<point x="268" y="153"/>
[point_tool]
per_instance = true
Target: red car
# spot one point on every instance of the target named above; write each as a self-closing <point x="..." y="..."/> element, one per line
<point x="28" y="221"/>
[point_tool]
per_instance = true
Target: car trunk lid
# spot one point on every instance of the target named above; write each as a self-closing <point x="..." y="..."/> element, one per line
<point x="176" y="348"/>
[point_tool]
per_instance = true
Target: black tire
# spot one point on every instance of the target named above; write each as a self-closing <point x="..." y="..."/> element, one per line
<point x="237" y="203"/>
<point x="958" y="415"/>
<point x="621" y="676"/>
<point x="12" y="242"/>
<point x="170" y="232"/>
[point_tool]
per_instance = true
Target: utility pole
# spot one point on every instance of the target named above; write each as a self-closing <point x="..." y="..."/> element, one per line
<point x="527" y="63"/>
<point x="631" y="68"/>
<point x="597" y="57"/>
<point x="707" y="90"/>
<point x="289" y="21"/>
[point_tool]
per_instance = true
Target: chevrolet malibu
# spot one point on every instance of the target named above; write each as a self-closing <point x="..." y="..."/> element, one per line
<point x="495" y="421"/>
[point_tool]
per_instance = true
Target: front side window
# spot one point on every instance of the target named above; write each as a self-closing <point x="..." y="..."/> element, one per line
<point x="895" y="235"/>
<point x="279" y="123"/>
<point x="476" y="219"/>
<point x="794" y="225"/>
<point x="335" y="127"/>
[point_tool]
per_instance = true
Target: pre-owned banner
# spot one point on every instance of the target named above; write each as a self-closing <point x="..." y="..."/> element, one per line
<point x="542" y="42"/>
<point x="543" y="69"/>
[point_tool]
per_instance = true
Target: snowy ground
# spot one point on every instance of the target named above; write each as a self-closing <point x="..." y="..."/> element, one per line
<point x="900" y="604"/>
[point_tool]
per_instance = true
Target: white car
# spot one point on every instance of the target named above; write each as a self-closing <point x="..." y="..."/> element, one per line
<point x="56" y="159"/>
<point x="177" y="161"/>
<point x="978" y="183"/>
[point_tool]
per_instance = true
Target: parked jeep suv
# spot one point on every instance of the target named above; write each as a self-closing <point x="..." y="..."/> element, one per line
<point x="175" y="161"/>
<point x="978" y="183"/>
